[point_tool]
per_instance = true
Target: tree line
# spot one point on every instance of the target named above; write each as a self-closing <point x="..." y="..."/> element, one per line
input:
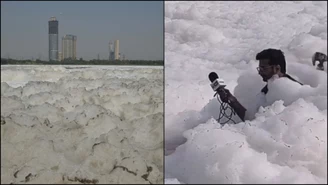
<point x="5" y="61"/>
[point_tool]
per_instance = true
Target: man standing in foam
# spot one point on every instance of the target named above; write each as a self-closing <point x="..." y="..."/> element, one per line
<point x="272" y="67"/>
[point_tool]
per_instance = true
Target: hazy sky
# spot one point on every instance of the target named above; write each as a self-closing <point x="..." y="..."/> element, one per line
<point x="139" y="27"/>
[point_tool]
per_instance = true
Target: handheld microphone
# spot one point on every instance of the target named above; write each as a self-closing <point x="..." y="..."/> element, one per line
<point x="321" y="58"/>
<point x="217" y="83"/>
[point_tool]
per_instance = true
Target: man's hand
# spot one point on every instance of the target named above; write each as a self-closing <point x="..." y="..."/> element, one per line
<point x="226" y="96"/>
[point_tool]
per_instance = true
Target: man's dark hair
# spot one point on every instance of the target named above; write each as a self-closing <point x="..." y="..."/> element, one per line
<point x="275" y="57"/>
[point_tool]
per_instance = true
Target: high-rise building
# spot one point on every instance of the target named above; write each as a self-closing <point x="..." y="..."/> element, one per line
<point x="117" y="49"/>
<point x="69" y="47"/>
<point x="111" y="51"/>
<point x="74" y="47"/>
<point x="53" y="39"/>
<point x="60" y="56"/>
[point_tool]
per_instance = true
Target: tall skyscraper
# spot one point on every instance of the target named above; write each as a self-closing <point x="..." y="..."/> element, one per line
<point x="69" y="47"/>
<point x="53" y="39"/>
<point x="111" y="51"/>
<point x="60" y="56"/>
<point x="117" y="49"/>
<point x="74" y="47"/>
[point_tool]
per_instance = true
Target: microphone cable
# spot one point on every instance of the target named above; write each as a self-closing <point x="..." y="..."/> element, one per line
<point x="223" y="108"/>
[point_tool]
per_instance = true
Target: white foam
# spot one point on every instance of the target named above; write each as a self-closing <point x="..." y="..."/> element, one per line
<point x="284" y="139"/>
<point x="65" y="124"/>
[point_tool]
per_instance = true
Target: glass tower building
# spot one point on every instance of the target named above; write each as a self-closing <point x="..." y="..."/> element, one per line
<point x="53" y="39"/>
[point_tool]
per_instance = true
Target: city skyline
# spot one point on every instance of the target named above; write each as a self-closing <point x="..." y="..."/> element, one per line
<point x="24" y="33"/>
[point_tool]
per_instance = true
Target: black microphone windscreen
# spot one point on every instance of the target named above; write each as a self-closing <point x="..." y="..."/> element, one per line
<point x="213" y="76"/>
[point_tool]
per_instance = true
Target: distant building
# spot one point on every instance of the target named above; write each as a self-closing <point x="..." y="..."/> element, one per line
<point x="60" y="56"/>
<point x="53" y="39"/>
<point x="111" y="51"/>
<point x="117" y="49"/>
<point x="74" y="47"/>
<point x="112" y="55"/>
<point x="69" y="47"/>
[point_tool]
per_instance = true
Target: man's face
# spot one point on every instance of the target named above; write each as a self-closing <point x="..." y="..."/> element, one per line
<point x="265" y="70"/>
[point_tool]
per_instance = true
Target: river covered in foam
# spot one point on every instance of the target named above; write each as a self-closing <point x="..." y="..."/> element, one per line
<point x="81" y="124"/>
